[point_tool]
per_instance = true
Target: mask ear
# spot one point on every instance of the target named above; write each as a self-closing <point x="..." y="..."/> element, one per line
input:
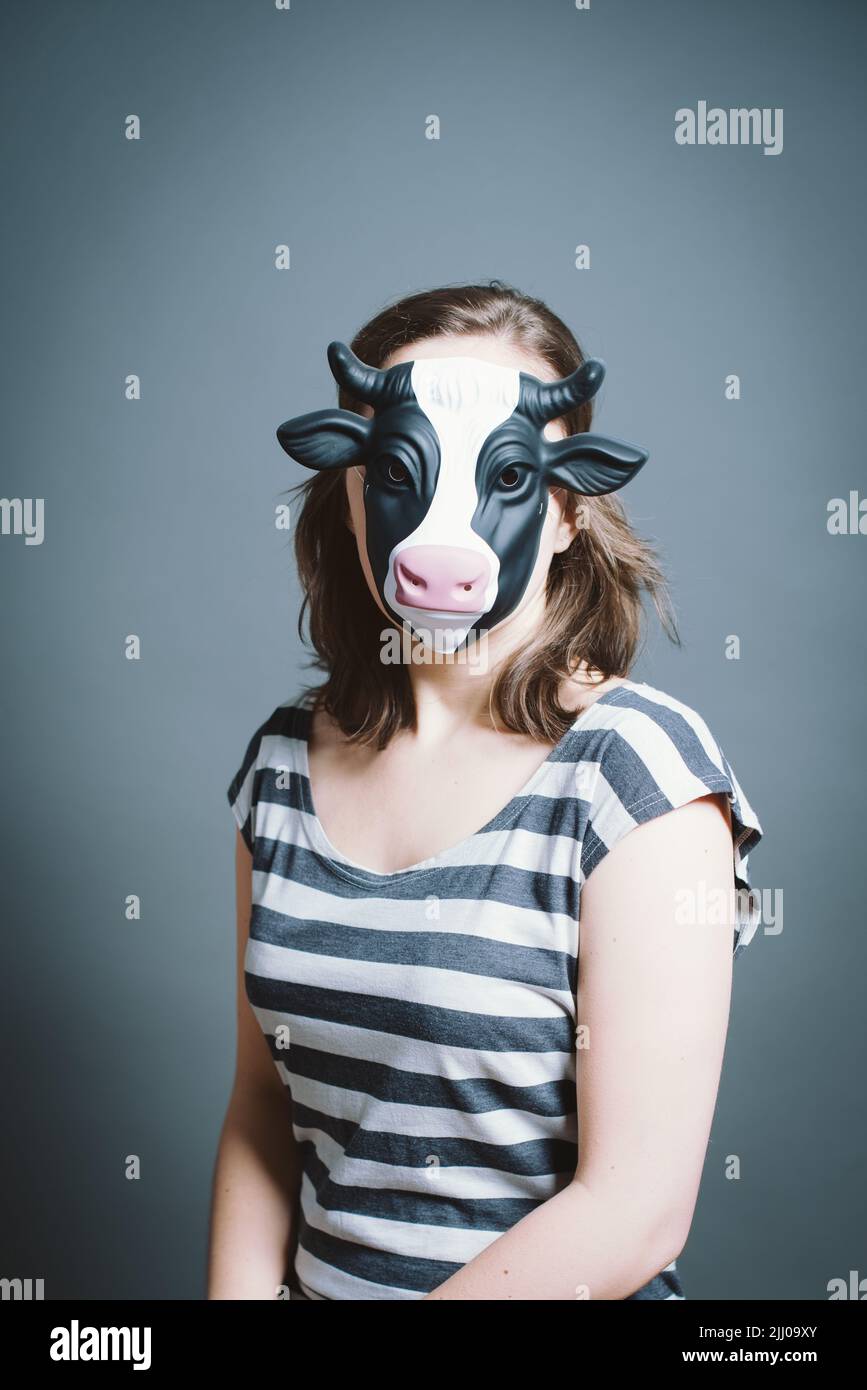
<point x="591" y="464"/>
<point x="325" y="439"/>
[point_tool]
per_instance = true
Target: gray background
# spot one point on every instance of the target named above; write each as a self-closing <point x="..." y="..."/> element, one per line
<point x="156" y="257"/>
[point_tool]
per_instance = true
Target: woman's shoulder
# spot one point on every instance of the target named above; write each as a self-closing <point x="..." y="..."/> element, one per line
<point x="636" y="703"/>
<point x="623" y="702"/>
<point x="272" y="747"/>
<point x="657" y="743"/>
<point x="288" y="719"/>
<point x="658" y="752"/>
<point x="283" y="724"/>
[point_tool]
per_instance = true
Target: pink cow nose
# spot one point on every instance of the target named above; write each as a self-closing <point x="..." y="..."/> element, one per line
<point x="443" y="577"/>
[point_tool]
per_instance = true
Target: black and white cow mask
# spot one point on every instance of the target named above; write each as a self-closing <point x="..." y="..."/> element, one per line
<point x="457" y="472"/>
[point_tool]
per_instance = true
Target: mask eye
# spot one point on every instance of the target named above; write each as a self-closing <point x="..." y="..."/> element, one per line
<point x="509" y="477"/>
<point x="395" y="471"/>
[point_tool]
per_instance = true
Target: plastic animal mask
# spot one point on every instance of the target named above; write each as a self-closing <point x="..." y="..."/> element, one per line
<point x="457" y="472"/>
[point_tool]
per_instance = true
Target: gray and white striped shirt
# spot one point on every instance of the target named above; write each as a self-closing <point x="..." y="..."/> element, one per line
<point x="424" y="1021"/>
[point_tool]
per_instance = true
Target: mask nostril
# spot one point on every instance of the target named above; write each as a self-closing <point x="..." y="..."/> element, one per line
<point x="408" y="577"/>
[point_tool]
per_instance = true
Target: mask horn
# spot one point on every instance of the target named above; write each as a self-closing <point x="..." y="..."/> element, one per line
<point x="367" y="384"/>
<point x="542" y="401"/>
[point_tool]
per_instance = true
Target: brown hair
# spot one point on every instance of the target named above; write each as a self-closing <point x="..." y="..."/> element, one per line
<point x="594" y="587"/>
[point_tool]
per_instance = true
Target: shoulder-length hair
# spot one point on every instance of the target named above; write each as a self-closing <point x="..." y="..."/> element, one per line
<point x="594" y="588"/>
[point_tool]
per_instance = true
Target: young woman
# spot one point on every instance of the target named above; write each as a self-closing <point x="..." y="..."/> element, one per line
<point x="472" y="915"/>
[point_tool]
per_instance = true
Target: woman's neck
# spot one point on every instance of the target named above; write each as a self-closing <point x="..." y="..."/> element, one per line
<point x="449" y="691"/>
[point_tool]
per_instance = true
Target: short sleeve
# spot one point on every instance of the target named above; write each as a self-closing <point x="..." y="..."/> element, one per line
<point x="243" y="788"/>
<point x="659" y="754"/>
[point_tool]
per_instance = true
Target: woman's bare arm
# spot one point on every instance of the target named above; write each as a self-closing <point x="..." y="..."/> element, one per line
<point x="257" y="1173"/>
<point x="654" y="994"/>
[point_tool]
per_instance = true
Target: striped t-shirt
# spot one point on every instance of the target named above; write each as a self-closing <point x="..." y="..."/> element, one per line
<point x="424" y="1021"/>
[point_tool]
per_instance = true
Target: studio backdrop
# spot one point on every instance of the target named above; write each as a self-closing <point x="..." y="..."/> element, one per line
<point x="201" y="196"/>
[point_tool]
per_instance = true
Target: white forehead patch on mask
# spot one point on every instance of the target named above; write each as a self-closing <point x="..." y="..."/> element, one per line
<point x="465" y="398"/>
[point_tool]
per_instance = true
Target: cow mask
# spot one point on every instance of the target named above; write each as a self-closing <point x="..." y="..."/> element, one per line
<point x="457" y="472"/>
